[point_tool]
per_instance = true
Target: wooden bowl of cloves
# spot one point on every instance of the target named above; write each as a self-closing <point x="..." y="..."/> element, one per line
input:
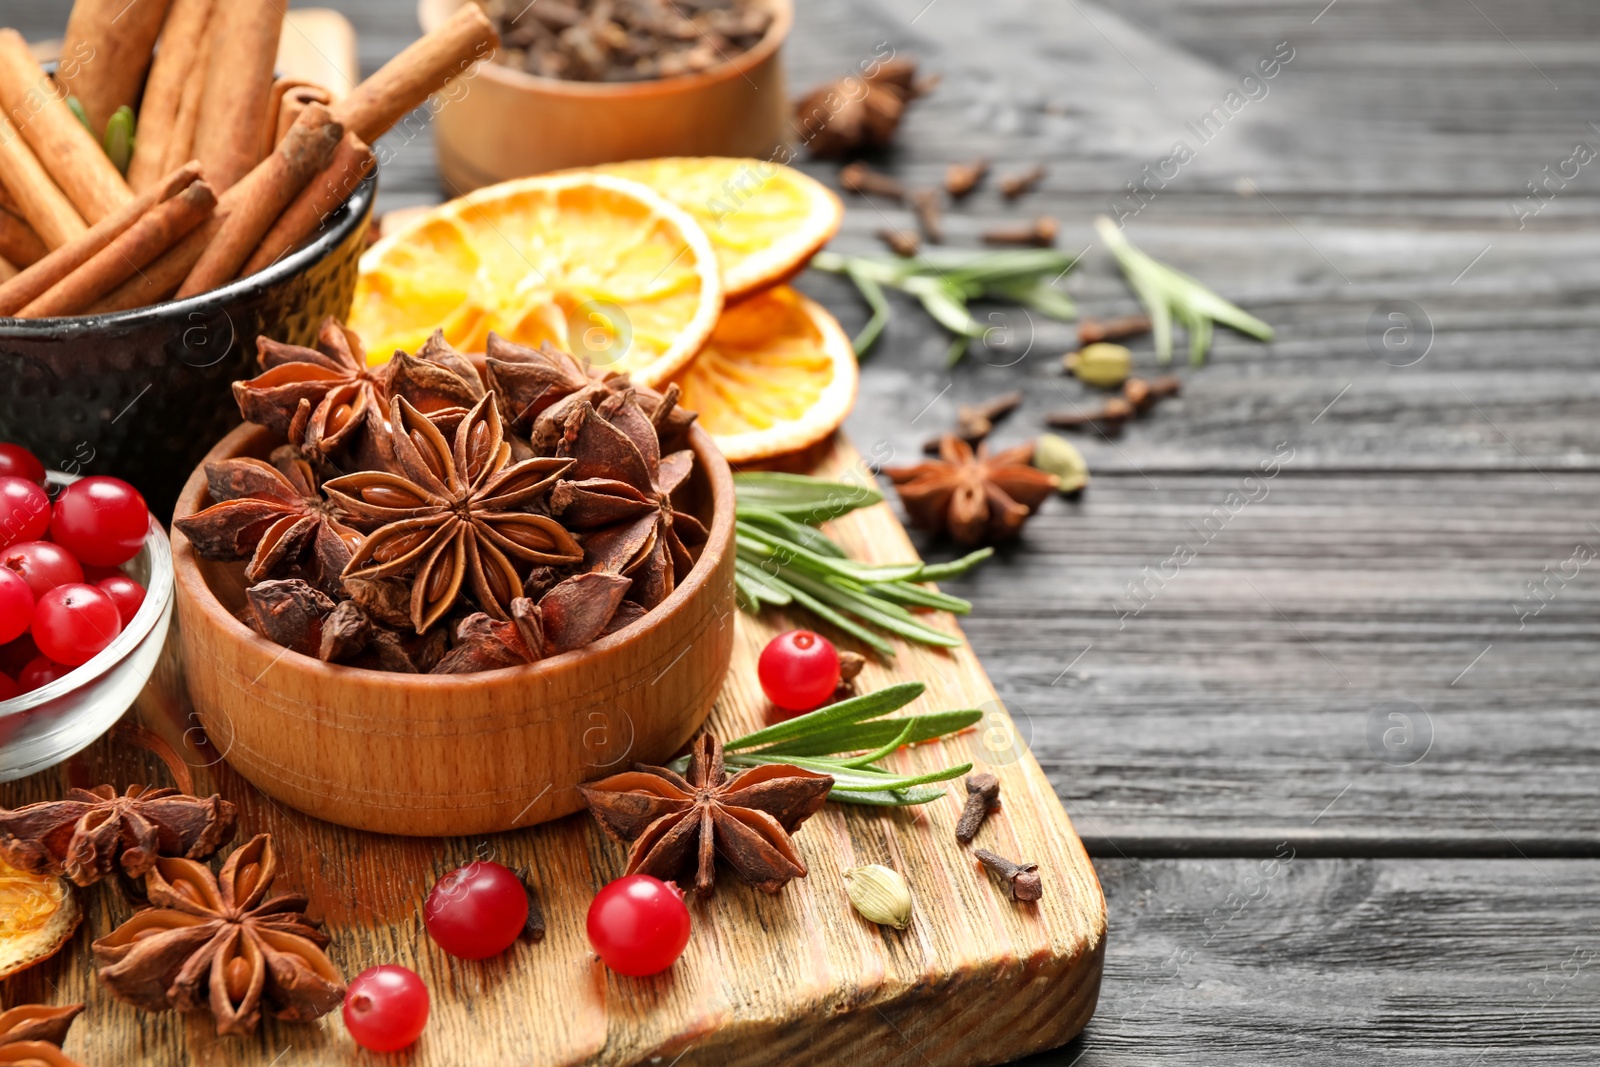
<point x="609" y="95"/>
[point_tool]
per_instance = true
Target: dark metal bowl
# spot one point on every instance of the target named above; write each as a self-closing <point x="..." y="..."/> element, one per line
<point x="144" y="394"/>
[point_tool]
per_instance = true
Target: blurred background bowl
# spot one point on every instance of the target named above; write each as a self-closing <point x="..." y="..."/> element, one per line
<point x="144" y="394"/>
<point x="44" y="727"/>
<point x="510" y="124"/>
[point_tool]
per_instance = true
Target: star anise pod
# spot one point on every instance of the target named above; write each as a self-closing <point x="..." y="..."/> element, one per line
<point x="569" y="616"/>
<point x="436" y="379"/>
<point x="31" y="1035"/>
<point x="975" y="497"/>
<point x="217" y="942"/>
<point x="273" y="517"/>
<point x="453" y="515"/>
<point x="540" y="387"/>
<point x="347" y="400"/>
<point x="678" y="822"/>
<point x="619" y="494"/>
<point x="853" y="113"/>
<point x="89" y="833"/>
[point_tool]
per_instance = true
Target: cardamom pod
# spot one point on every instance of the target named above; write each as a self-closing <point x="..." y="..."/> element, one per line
<point x="1103" y="364"/>
<point x="1058" y="456"/>
<point x="880" y="894"/>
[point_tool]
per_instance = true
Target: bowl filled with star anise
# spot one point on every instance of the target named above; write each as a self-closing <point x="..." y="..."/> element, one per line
<point x="433" y="595"/>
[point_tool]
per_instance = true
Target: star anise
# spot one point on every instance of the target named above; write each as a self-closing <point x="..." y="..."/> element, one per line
<point x="274" y="517"/>
<point x="347" y="400"/>
<point x="454" y="515"/>
<point x="89" y="833"/>
<point x="31" y="1035"/>
<point x="619" y="494"/>
<point x="217" y="942"/>
<point x="679" y="822"/>
<point x="569" y="616"/>
<point x="540" y="387"/>
<point x="975" y="497"/>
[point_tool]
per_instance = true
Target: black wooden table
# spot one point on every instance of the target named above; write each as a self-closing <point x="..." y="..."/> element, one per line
<point x="1338" y="772"/>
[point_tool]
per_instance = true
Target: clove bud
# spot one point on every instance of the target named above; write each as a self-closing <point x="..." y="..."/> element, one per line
<point x="930" y="216"/>
<point x="1040" y="233"/>
<point x="961" y="178"/>
<point x="1014" y="185"/>
<point x="862" y="179"/>
<point x="900" y="242"/>
<point x="1020" y="879"/>
<point x="975" y="422"/>
<point x="983" y="796"/>
<point x="1092" y="330"/>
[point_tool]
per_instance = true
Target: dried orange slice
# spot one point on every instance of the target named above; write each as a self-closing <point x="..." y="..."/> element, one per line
<point x="597" y="265"/>
<point x="764" y="219"/>
<point x="777" y="375"/>
<point x="38" y="913"/>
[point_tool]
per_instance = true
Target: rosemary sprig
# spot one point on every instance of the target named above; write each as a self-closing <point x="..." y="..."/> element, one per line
<point x="848" y="739"/>
<point x="783" y="559"/>
<point x="1169" y="294"/>
<point x="945" y="281"/>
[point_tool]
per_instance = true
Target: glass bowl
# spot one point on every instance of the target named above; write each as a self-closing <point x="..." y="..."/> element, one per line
<point x="44" y="727"/>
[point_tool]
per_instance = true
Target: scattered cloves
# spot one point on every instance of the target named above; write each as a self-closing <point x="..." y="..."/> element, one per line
<point x="900" y="242"/>
<point x="1144" y="394"/>
<point x="925" y="204"/>
<point x="983" y="796"/>
<point x="1040" y="233"/>
<point x="863" y="180"/>
<point x="1014" y="185"/>
<point x="1109" y="419"/>
<point x="975" y="422"/>
<point x="533" y="929"/>
<point x="960" y="179"/>
<point x="1020" y="879"/>
<point x="1091" y="331"/>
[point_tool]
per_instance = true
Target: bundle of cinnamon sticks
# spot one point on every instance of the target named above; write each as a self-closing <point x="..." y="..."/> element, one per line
<point x="232" y="168"/>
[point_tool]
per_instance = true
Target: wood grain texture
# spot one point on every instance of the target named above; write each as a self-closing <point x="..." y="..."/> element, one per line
<point x="976" y="979"/>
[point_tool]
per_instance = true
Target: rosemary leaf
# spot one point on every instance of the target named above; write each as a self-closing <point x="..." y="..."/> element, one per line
<point x="802" y="498"/>
<point x="872" y="293"/>
<point x="917" y="596"/>
<point x="888" y="799"/>
<point x="856" y="709"/>
<point x="1167" y="294"/>
<point x="863" y="735"/>
<point x="938" y="572"/>
<point x="882" y="750"/>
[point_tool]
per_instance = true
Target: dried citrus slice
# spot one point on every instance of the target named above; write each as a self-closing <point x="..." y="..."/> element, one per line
<point x="764" y="219"/>
<point x="38" y="913"/>
<point x="597" y="265"/>
<point x="777" y="375"/>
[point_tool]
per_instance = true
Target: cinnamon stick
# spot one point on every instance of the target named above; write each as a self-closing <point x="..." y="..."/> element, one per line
<point x="227" y="140"/>
<point x="46" y="208"/>
<point x="42" y="275"/>
<point x="69" y="154"/>
<point x="289" y="98"/>
<point x="263" y="195"/>
<point x="162" y="276"/>
<point x="155" y="232"/>
<point x="18" y="242"/>
<point x="352" y="162"/>
<point x="176" y="64"/>
<point x="180" y="145"/>
<point x="106" y="52"/>
<point x="8" y="270"/>
<point x="403" y="83"/>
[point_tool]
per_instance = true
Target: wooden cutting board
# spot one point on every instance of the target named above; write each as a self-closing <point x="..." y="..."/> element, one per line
<point x="797" y="977"/>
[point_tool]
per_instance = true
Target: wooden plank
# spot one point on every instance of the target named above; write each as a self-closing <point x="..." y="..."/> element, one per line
<point x="1217" y="963"/>
<point x="975" y="979"/>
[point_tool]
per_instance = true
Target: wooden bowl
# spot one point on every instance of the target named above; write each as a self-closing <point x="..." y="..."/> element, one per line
<point x="435" y="755"/>
<point x="506" y="123"/>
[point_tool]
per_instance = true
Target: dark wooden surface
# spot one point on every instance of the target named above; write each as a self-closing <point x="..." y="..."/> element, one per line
<point x="1440" y="905"/>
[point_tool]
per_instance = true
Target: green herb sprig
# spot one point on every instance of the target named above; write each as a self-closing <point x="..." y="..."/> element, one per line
<point x="1169" y="294"/>
<point x="945" y="281"/>
<point x="848" y="739"/>
<point x="783" y="560"/>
